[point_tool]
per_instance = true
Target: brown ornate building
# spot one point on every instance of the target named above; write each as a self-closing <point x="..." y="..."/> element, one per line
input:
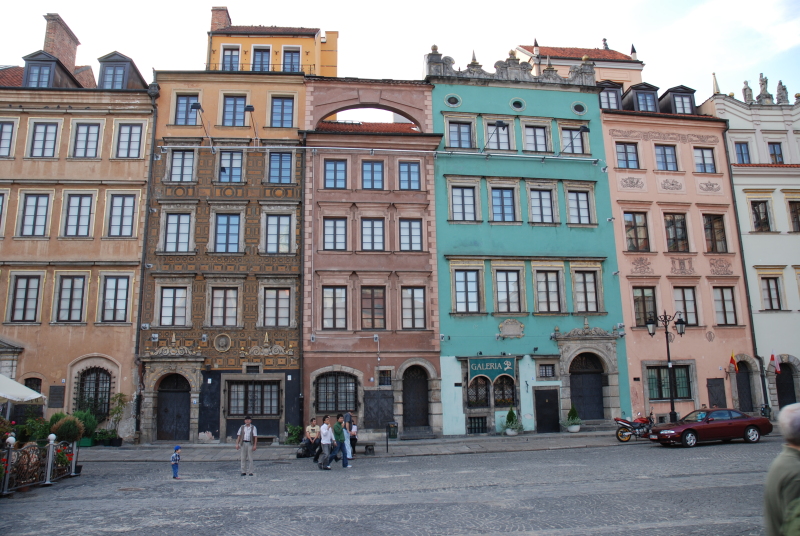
<point x="370" y="318"/>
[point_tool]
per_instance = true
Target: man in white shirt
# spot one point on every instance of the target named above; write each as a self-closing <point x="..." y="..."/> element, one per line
<point x="326" y="432"/>
<point x="245" y="438"/>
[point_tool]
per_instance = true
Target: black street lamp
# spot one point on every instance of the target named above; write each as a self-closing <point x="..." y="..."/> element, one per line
<point x="680" y="327"/>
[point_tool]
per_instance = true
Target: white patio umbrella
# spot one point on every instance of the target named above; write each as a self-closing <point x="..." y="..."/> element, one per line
<point x="11" y="391"/>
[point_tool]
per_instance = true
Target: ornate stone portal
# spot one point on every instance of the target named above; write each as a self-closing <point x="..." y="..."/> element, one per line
<point x="162" y="362"/>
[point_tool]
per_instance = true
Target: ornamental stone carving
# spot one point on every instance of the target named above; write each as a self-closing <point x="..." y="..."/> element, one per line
<point x="173" y="351"/>
<point x="671" y="184"/>
<point x="641" y="266"/>
<point x="632" y="183"/>
<point x="584" y="332"/>
<point x="222" y="343"/>
<point x="709" y="187"/>
<point x="783" y="93"/>
<point x="764" y="97"/>
<point x="710" y="336"/>
<point x="720" y="267"/>
<point x="512" y="329"/>
<point x="275" y="349"/>
<point x="747" y="93"/>
<point x="681" y="266"/>
<point x="651" y="135"/>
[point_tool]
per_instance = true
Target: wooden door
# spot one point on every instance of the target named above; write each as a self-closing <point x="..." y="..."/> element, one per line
<point x="716" y="392"/>
<point x="785" y="384"/>
<point x="172" y="420"/>
<point x="546" y="404"/>
<point x="586" y="386"/>
<point x="415" y="397"/>
<point x="743" y="386"/>
<point x="378" y="409"/>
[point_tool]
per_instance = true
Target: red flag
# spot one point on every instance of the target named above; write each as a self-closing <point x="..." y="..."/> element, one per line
<point x="733" y="362"/>
<point x="776" y="363"/>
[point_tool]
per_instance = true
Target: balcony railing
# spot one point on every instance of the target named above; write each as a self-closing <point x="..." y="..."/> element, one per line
<point x="262" y="67"/>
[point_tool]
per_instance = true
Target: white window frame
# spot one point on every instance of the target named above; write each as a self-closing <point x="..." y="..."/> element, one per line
<point x="496" y="183"/>
<point x="172" y="282"/>
<point x="461" y="118"/>
<point x="73" y="133"/>
<point x="5" y="198"/>
<point x="543" y="266"/>
<point x="269" y="208"/>
<point x="101" y="291"/>
<point x="58" y="275"/>
<point x="226" y="207"/>
<point x="170" y="162"/>
<point x="510" y="128"/>
<point x="697" y="302"/>
<point x="547" y="125"/>
<point x="21" y="194"/>
<point x="144" y="147"/>
<point x="573" y="125"/>
<point x="13" y="275"/>
<point x="579" y="266"/>
<point x="217" y="179"/>
<point x="461" y="266"/>
<point x="13" y="141"/>
<point x="234" y="92"/>
<point x="519" y="267"/>
<point x="224" y="281"/>
<point x="294" y="95"/>
<point x="546" y="185"/>
<point x="137" y="217"/>
<point x="581" y="186"/>
<point x="734" y="297"/>
<point x="253" y="49"/>
<point x="65" y="197"/>
<point x="32" y="122"/>
<point x="270" y="282"/>
<point x="465" y="182"/>
<point x="166" y="208"/>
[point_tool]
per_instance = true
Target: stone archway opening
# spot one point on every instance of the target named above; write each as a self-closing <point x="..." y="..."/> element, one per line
<point x="586" y="386"/>
<point x="415" y="397"/>
<point x="174" y="403"/>
<point x="785" y="383"/>
<point x="743" y="387"/>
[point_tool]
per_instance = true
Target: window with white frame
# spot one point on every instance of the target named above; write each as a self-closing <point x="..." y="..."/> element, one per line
<point x="775" y="153"/>
<point x="724" y="306"/>
<point x="115" y="299"/>
<point x="120" y="224"/>
<point x="646" y="101"/>
<point x="69" y="307"/>
<point x="291" y="60"/>
<point x="683" y="104"/>
<point x="627" y="156"/>
<point x="174" y="306"/>
<point x="87" y="136"/>
<point x="543" y="202"/>
<point x="184" y="115"/>
<point x="409" y="175"/>
<point x="233" y="110"/>
<point x="334" y="307"/>
<point x="714" y="227"/>
<point x="609" y="99"/>
<point x="508" y="291"/>
<point x="571" y="141"/>
<point x="34" y="215"/>
<point x="770" y="293"/>
<point x="503" y="204"/>
<point x="372" y="234"/>
<point x="6" y="135"/>
<point x="79" y="215"/>
<point x="25" y="301"/>
<point x="742" y="152"/>
<point x="536" y="138"/>
<point x="413" y="299"/>
<point x="467" y="291"/>
<point x="586" y="292"/>
<point x="230" y="166"/>
<point x="129" y="140"/>
<point x="335" y="174"/>
<point x="230" y="58"/>
<point x="644" y="304"/>
<point x="276" y="307"/>
<point x="43" y="140"/>
<point x="548" y="291"/>
<point x="497" y="137"/>
<point x="178" y="232"/>
<point x="686" y="303"/>
<point x="410" y="235"/>
<point x="335" y="233"/>
<point x="182" y="166"/>
<point x="579" y="210"/>
<point x="463" y="203"/>
<point x="279" y="233"/>
<point x="372" y="175"/>
<point x="226" y="233"/>
<point x="261" y="58"/>
<point x="280" y="168"/>
<point x="282" y="112"/>
<point x="224" y="306"/>
<point x="460" y="135"/>
<point x="666" y="159"/>
<point x="704" y="160"/>
<point x="373" y="308"/>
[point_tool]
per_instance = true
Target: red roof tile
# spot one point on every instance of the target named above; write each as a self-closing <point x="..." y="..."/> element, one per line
<point x="768" y="165"/>
<point x="11" y="76"/>
<point x="268" y="30"/>
<point x="578" y="53"/>
<point x="377" y="128"/>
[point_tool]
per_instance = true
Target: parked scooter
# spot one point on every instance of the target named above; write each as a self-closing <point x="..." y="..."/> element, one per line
<point x="639" y="427"/>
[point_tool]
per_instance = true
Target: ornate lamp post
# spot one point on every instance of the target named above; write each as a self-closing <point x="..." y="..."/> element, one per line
<point x="680" y="326"/>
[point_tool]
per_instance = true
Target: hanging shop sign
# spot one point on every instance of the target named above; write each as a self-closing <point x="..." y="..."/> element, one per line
<point x="491" y="367"/>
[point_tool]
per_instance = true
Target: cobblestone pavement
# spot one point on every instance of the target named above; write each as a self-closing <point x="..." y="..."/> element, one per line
<point x="713" y="489"/>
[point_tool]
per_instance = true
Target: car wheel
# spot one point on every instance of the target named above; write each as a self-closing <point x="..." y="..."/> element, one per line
<point x="689" y="438"/>
<point x="752" y="435"/>
<point x="623" y="435"/>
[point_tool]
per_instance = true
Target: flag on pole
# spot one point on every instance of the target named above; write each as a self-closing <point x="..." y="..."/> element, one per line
<point x="777" y="364"/>
<point x="733" y="362"/>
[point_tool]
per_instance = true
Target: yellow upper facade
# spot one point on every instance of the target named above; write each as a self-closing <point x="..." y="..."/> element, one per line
<point x="269" y="48"/>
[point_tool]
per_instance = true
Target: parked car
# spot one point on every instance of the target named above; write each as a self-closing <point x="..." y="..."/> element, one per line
<point x="711" y="425"/>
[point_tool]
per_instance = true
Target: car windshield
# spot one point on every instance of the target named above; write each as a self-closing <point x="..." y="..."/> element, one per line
<point x="695" y="416"/>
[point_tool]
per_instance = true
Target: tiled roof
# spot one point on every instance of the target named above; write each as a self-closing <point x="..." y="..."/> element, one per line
<point x="377" y="128"/>
<point x="768" y="165"/>
<point x="268" y="30"/>
<point x="578" y="53"/>
<point x="11" y="76"/>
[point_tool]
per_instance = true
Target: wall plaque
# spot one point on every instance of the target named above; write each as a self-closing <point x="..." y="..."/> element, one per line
<point x="56" y="397"/>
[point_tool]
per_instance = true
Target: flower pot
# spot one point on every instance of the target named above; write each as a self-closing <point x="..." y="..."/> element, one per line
<point x="106" y="442"/>
<point x="78" y="469"/>
<point x="116" y="442"/>
<point x="86" y="442"/>
<point x="572" y="428"/>
<point x="510" y="432"/>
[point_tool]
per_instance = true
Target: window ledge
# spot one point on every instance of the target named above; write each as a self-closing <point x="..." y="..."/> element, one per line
<point x="177" y="328"/>
<point x="6" y="158"/>
<point x="459" y="149"/>
<point x="118" y="238"/>
<point x="226" y="254"/>
<point x="520" y="313"/>
<point x="22" y="323"/>
<point x="236" y="328"/>
<point x="726" y="254"/>
<point x="77" y="238"/>
<point x="627" y="169"/>
<point x="42" y="158"/>
<point x="100" y="324"/>
<point x="229" y="183"/>
<point x="587" y="155"/>
<point x="265" y="254"/>
<point x="469" y="314"/>
<point x="468" y="222"/>
<point x="728" y="326"/>
<point x="267" y="182"/>
<point x="544" y="224"/>
<point x="175" y="183"/>
<point x="119" y="158"/>
<point x="31" y="238"/>
<point x="79" y="159"/>
<point x="68" y="324"/>
<point x="334" y="252"/>
<point x="542" y="153"/>
<point x="488" y="151"/>
<point x="632" y="252"/>
<point x="769" y="311"/>
<point x="588" y="313"/>
<point x="232" y="126"/>
<point x="550" y="314"/>
<point x="585" y="225"/>
<point x="703" y="174"/>
<point x="669" y="172"/>
<point x="178" y="253"/>
<point x="408" y="190"/>
<point x="764" y="232"/>
<point x="690" y="253"/>
<point x="184" y="126"/>
<point x="372" y="252"/>
<point x="515" y="222"/>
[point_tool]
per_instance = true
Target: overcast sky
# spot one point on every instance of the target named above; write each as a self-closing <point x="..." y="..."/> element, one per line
<point x="680" y="42"/>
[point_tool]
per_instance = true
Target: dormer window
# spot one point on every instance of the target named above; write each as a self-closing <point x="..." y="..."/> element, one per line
<point x="39" y="74"/>
<point x="646" y="101"/>
<point x="609" y="99"/>
<point x="683" y="104"/>
<point x="113" y="76"/>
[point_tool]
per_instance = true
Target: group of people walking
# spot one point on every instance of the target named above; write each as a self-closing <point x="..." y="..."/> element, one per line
<point x="328" y="443"/>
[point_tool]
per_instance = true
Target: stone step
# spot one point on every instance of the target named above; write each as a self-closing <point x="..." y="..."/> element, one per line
<point x="417" y="432"/>
<point x="598" y="425"/>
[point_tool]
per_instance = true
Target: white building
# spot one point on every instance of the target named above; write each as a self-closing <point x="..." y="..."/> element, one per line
<point x="763" y="144"/>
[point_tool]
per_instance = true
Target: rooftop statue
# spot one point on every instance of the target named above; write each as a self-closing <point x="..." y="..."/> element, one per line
<point x="747" y="91"/>
<point x="783" y="93"/>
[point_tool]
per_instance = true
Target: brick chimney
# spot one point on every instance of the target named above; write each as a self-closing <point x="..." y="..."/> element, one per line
<point x="219" y="18"/>
<point x="60" y="41"/>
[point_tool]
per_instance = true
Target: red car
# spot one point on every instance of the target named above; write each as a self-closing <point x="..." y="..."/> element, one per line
<point x="711" y="425"/>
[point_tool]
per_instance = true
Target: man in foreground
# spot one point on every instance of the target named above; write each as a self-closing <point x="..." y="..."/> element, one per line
<point x="782" y="487"/>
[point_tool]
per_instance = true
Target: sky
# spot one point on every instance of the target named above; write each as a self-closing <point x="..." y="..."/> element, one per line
<point x="681" y="42"/>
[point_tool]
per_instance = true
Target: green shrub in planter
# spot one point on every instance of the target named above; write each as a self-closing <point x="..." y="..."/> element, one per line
<point x="512" y="421"/>
<point x="89" y="422"/>
<point x="55" y="418"/>
<point x="572" y="418"/>
<point x="38" y="429"/>
<point x="68" y="429"/>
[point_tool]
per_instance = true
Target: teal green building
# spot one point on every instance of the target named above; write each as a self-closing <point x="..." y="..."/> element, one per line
<point x="529" y="299"/>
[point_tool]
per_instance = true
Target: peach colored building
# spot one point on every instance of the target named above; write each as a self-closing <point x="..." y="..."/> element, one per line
<point x="370" y="314"/>
<point x="678" y="251"/>
<point x="73" y="175"/>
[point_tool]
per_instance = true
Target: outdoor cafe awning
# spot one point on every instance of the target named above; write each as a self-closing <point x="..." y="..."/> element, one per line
<point x="18" y="393"/>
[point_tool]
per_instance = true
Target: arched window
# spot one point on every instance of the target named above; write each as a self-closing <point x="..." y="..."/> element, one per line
<point x="94" y="391"/>
<point x="504" y="392"/>
<point x="478" y="393"/>
<point x="336" y="392"/>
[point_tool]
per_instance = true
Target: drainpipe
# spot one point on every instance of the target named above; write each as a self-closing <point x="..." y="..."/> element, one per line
<point x="300" y="306"/>
<point x="762" y="372"/>
<point x="152" y="91"/>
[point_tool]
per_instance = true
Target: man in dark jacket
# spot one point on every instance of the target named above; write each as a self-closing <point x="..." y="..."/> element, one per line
<point x="782" y="488"/>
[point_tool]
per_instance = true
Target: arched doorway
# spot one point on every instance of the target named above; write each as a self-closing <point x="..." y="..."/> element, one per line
<point x="785" y="384"/>
<point x="172" y="422"/>
<point x="586" y="386"/>
<point x="415" y="397"/>
<point x="743" y="387"/>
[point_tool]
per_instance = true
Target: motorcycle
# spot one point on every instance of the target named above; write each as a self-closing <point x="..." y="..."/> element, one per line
<point x="639" y="427"/>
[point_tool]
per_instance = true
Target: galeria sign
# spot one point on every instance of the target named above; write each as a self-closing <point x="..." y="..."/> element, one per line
<point x="491" y="367"/>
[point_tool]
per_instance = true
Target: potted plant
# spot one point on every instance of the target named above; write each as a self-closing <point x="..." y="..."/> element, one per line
<point x="573" y="422"/>
<point x="68" y="429"/>
<point x="89" y="426"/>
<point x="115" y="412"/>
<point x="103" y="437"/>
<point x="512" y="426"/>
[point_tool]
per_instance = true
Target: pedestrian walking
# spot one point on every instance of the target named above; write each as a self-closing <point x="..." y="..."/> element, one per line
<point x="340" y="435"/>
<point x="312" y="440"/>
<point x="782" y="487"/>
<point x="353" y="437"/>
<point x="326" y="439"/>
<point x="247" y="440"/>
<point x="175" y="460"/>
<point x="348" y="423"/>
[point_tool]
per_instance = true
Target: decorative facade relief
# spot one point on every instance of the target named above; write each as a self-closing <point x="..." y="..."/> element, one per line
<point x="632" y="183"/>
<point x="710" y="336"/>
<point x="671" y="184"/>
<point x="764" y="97"/>
<point x="709" y="187"/>
<point x="651" y="135"/>
<point x="172" y="351"/>
<point x="641" y="266"/>
<point x="681" y="266"/>
<point x="512" y="329"/>
<point x="222" y="343"/>
<point x="720" y="267"/>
